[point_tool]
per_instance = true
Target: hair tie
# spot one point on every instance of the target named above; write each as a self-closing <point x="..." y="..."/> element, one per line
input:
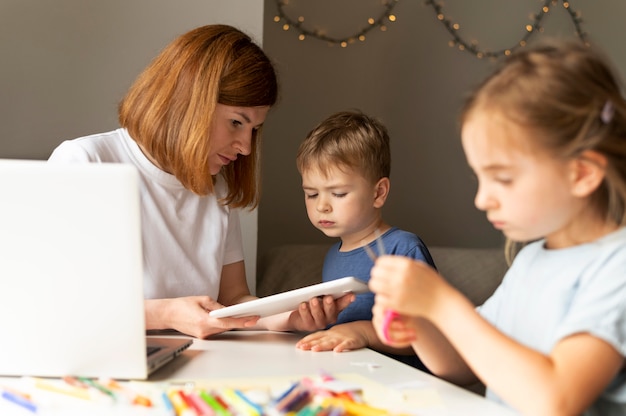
<point x="607" y="112"/>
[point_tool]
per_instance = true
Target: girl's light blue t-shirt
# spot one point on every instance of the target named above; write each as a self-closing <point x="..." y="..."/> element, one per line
<point x="548" y="295"/>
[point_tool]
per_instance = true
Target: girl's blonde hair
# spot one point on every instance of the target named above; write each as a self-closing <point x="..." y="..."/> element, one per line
<point x="569" y="94"/>
<point x="347" y="139"/>
<point x="169" y="109"/>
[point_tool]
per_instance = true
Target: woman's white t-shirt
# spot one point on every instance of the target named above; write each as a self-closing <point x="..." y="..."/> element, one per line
<point x="187" y="238"/>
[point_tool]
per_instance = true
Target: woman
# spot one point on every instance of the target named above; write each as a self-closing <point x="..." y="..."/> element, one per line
<point x="191" y="124"/>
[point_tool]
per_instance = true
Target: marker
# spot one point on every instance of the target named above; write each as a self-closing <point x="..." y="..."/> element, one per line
<point x="132" y="396"/>
<point x="294" y="400"/>
<point x="286" y="392"/>
<point x="218" y="398"/>
<point x="97" y="386"/>
<point x="77" y="392"/>
<point x="19" y="400"/>
<point x="180" y="405"/>
<point x="73" y="381"/>
<point x="214" y="404"/>
<point x="198" y="408"/>
<point x="240" y="404"/>
<point x="169" y="407"/>
<point x="310" y="410"/>
<point x="199" y="405"/>
<point x="390" y="315"/>
<point x="257" y="409"/>
<point x="354" y="408"/>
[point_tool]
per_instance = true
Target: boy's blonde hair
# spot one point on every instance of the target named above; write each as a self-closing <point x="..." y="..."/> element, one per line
<point x="169" y="109"/>
<point x="347" y="140"/>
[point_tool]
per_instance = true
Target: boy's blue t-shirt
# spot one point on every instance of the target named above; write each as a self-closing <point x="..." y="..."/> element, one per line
<point x="357" y="263"/>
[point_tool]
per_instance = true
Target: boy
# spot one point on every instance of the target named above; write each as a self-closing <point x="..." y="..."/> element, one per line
<point x="345" y="164"/>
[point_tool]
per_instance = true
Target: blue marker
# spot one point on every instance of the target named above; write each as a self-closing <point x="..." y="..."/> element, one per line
<point x="20" y="401"/>
<point x="168" y="404"/>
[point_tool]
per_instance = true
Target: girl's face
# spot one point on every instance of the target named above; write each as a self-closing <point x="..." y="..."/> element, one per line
<point x="525" y="192"/>
<point x="341" y="204"/>
<point x="231" y="133"/>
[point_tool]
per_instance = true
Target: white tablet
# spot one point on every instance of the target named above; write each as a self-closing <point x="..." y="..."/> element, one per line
<point x="290" y="300"/>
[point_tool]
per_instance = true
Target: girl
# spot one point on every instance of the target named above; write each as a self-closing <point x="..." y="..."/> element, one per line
<point x="191" y="125"/>
<point x="546" y="137"/>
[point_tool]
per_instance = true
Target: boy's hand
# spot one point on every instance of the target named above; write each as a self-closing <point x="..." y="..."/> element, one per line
<point x="318" y="313"/>
<point x="339" y="338"/>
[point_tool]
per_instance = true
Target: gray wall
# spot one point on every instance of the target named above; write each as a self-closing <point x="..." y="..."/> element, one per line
<point x="414" y="82"/>
<point x="67" y="63"/>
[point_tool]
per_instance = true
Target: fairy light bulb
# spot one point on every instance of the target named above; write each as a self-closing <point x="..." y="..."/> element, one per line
<point x="303" y="32"/>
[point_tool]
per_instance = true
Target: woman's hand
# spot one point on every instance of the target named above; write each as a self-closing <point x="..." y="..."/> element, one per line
<point x="190" y="315"/>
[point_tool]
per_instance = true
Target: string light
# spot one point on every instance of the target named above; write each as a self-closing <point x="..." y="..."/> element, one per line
<point x="529" y="29"/>
<point x="372" y="23"/>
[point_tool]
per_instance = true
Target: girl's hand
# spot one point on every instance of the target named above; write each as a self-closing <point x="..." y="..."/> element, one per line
<point x="190" y="315"/>
<point x="409" y="287"/>
<point x="398" y="332"/>
<point x="339" y="338"/>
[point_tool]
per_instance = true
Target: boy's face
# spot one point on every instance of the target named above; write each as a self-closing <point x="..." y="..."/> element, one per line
<point x="342" y="203"/>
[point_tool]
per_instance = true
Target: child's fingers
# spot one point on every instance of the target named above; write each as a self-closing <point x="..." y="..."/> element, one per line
<point x="398" y="335"/>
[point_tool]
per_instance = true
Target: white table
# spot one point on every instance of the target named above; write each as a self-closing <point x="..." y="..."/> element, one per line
<point x="251" y="354"/>
<point x="271" y="357"/>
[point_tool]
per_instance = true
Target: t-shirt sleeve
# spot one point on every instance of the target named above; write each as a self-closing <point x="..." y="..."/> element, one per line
<point x="599" y="307"/>
<point x="420" y="252"/>
<point x="233" y="251"/>
<point x="69" y="152"/>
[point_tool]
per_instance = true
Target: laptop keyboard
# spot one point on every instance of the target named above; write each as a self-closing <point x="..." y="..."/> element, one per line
<point x="151" y="349"/>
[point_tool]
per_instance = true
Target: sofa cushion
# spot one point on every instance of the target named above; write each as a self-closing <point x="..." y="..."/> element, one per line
<point x="476" y="272"/>
<point x="289" y="267"/>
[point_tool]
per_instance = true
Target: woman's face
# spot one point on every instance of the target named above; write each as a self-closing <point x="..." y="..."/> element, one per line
<point x="231" y="133"/>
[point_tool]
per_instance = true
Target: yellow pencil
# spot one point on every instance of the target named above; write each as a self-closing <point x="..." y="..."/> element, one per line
<point x="67" y="390"/>
<point x="354" y="408"/>
<point x="180" y="406"/>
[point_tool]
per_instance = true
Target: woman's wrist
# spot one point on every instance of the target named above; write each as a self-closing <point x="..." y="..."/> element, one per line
<point x="155" y="313"/>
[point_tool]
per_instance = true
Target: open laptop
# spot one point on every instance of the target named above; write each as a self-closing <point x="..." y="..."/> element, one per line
<point x="71" y="283"/>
